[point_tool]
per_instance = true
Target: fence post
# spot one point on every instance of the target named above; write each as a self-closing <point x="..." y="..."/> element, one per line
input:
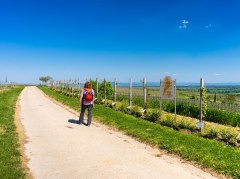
<point x="175" y="101"/>
<point x="160" y="100"/>
<point x="78" y="88"/>
<point x="69" y="87"/>
<point x="72" y="88"/>
<point x="115" y="90"/>
<point x="60" y="86"/>
<point x="130" y="93"/>
<point x="145" y="93"/>
<point x="63" y="87"/>
<point x="105" y="91"/>
<point x="97" y="88"/>
<point x="201" y="103"/>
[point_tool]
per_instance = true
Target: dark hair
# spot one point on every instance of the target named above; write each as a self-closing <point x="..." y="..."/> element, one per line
<point x="87" y="85"/>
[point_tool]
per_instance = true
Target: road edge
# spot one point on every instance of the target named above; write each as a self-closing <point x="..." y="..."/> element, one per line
<point x="22" y="139"/>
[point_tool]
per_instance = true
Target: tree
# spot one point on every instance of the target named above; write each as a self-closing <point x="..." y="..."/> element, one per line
<point x="215" y="98"/>
<point x="94" y="85"/>
<point x="109" y="88"/>
<point x="45" y="79"/>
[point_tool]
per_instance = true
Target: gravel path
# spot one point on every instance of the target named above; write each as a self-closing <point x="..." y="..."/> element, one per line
<point x="57" y="147"/>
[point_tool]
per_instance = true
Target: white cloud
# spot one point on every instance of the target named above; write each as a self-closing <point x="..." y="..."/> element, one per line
<point x="184" y="24"/>
<point x="208" y="26"/>
<point x="217" y="74"/>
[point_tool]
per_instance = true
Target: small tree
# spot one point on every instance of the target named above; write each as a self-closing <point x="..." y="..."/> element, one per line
<point x="45" y="79"/>
<point x="94" y="85"/>
<point x="109" y="89"/>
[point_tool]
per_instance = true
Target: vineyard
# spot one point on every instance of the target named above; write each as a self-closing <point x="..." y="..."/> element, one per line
<point x="226" y="98"/>
<point x="143" y="102"/>
<point x="5" y="86"/>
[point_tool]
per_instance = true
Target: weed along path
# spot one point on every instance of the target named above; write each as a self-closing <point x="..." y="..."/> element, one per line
<point x="57" y="147"/>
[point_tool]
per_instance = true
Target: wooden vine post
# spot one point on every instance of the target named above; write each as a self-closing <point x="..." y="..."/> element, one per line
<point x="97" y="88"/>
<point x="160" y="100"/>
<point x="115" y="91"/>
<point x="105" y="91"/>
<point x="145" y="93"/>
<point x="130" y="93"/>
<point x="175" y="101"/>
<point x="79" y="90"/>
<point x="203" y="105"/>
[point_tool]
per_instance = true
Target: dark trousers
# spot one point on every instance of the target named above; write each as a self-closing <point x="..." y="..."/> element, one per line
<point x="84" y="107"/>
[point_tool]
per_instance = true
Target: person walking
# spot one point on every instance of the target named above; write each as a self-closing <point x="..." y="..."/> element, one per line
<point x="86" y="102"/>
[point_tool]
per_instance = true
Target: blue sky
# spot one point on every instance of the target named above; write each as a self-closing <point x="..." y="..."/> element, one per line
<point x="120" y="39"/>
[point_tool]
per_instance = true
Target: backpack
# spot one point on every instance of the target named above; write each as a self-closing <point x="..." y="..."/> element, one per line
<point x="88" y="94"/>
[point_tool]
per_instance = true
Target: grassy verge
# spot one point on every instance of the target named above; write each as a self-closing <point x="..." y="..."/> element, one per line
<point x="10" y="164"/>
<point x="207" y="153"/>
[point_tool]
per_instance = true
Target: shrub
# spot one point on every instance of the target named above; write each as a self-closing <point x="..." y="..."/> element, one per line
<point x="168" y="121"/>
<point x="152" y="116"/>
<point x="135" y="111"/>
<point x="226" y="135"/>
<point x="184" y="124"/>
<point x="212" y="134"/>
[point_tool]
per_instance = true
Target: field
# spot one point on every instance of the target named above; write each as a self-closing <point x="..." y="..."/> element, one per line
<point x="4" y="87"/>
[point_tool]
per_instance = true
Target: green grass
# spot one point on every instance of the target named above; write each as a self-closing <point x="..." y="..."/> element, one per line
<point x="207" y="153"/>
<point x="10" y="164"/>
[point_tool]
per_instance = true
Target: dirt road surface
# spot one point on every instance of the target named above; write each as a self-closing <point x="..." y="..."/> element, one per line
<point x="58" y="147"/>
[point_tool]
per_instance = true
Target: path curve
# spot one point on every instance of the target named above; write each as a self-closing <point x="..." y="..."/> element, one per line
<point x="59" y="148"/>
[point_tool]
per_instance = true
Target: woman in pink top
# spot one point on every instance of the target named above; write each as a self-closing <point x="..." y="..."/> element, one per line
<point x="86" y="102"/>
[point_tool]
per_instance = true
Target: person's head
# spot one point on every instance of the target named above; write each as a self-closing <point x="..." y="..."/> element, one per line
<point x="87" y="85"/>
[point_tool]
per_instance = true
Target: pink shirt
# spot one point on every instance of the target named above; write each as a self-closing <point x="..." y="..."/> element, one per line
<point x="86" y="102"/>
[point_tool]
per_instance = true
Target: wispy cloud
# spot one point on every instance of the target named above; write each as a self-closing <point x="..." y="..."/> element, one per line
<point x="208" y="26"/>
<point x="217" y="74"/>
<point x="184" y="24"/>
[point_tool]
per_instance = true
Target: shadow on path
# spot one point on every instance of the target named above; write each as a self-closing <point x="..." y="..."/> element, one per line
<point x="74" y="121"/>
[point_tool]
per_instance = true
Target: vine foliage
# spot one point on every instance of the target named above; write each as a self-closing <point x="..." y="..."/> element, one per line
<point x="205" y="102"/>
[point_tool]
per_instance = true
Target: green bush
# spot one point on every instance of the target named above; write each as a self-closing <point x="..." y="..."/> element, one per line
<point x="152" y="116"/>
<point x="184" y="124"/>
<point x="212" y="134"/>
<point x="109" y="90"/>
<point x="135" y="111"/>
